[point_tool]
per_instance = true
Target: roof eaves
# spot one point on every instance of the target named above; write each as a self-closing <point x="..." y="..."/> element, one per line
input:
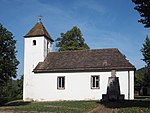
<point x="85" y="70"/>
<point x="26" y="36"/>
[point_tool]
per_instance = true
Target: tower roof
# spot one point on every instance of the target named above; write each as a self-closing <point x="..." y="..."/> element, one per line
<point x="39" y="30"/>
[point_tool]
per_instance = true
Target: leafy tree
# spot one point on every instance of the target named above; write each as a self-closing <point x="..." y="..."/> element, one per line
<point x="8" y="60"/>
<point x="20" y="87"/>
<point x="71" y="40"/>
<point x="12" y="90"/>
<point x="142" y="78"/>
<point x="143" y="7"/>
<point x="146" y="51"/>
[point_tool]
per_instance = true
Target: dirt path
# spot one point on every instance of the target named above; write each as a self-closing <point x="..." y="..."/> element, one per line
<point x="103" y="109"/>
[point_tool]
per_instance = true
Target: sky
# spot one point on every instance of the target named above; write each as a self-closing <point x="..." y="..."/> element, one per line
<point x="103" y="23"/>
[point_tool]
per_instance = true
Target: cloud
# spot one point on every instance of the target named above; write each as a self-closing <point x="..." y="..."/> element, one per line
<point x="90" y="5"/>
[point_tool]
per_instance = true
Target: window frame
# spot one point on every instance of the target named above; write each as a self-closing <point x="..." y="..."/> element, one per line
<point x="60" y="83"/>
<point x="93" y="79"/>
<point x="34" y="42"/>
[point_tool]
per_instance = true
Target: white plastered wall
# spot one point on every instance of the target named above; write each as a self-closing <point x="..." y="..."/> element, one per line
<point x="43" y="86"/>
<point x="33" y="54"/>
<point x="131" y="80"/>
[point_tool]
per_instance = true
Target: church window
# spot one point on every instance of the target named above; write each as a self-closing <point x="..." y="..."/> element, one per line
<point x="47" y="47"/>
<point x="61" y="82"/>
<point x="34" y="42"/>
<point x="95" y="82"/>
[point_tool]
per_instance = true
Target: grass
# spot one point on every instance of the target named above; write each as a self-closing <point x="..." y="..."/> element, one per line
<point x="129" y="106"/>
<point x="126" y="106"/>
<point x="8" y="99"/>
<point x="142" y="97"/>
<point x="134" y="110"/>
<point x="63" y="106"/>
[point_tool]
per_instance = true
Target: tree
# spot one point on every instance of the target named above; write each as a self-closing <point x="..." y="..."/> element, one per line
<point x="142" y="78"/>
<point x="146" y="51"/>
<point x="8" y="60"/>
<point x="143" y="7"/>
<point x="20" y="87"/>
<point x="71" y="40"/>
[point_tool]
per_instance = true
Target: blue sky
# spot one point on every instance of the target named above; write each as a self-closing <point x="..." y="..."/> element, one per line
<point x="103" y="23"/>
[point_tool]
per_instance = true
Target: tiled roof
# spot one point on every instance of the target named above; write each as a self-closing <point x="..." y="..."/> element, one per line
<point x="39" y="30"/>
<point x="84" y="60"/>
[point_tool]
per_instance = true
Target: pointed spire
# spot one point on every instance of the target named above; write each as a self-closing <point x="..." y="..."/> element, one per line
<point x="39" y="30"/>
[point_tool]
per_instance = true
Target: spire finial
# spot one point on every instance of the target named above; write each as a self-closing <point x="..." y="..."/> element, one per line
<point x="40" y="18"/>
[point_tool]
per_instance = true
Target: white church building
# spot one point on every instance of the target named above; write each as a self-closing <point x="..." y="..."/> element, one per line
<point x="71" y="75"/>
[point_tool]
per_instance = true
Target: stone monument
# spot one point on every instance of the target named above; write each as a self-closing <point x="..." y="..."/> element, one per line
<point x="113" y="89"/>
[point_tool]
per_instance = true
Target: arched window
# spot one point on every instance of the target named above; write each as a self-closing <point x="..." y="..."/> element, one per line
<point x="34" y="42"/>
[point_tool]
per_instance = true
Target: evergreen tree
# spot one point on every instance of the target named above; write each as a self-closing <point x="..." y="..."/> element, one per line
<point x="71" y="40"/>
<point x="146" y="51"/>
<point x="143" y="7"/>
<point x="8" y="60"/>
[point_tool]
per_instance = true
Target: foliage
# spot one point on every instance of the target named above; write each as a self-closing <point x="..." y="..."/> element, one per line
<point x="20" y="87"/>
<point x="12" y="90"/>
<point x="143" y="7"/>
<point x="142" y="78"/>
<point x="59" y="107"/>
<point x="71" y="40"/>
<point x="146" y="51"/>
<point x="139" y="75"/>
<point x="8" y="60"/>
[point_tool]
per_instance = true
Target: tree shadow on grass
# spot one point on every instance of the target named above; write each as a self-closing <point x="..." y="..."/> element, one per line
<point x="16" y="103"/>
<point x="126" y="103"/>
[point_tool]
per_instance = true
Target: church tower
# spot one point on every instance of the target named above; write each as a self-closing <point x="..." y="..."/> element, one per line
<point x="37" y="44"/>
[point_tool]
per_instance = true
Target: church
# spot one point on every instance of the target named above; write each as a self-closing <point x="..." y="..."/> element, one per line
<point x="71" y="75"/>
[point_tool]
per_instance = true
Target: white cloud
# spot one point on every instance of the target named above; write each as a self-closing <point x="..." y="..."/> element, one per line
<point x="90" y="4"/>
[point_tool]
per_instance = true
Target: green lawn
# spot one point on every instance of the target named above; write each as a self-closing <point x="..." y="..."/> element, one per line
<point x="62" y="106"/>
<point x="129" y="106"/>
<point x="134" y="110"/>
<point x="126" y="106"/>
<point x="142" y="97"/>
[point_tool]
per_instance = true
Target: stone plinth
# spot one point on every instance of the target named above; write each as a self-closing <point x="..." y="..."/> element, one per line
<point x="113" y="90"/>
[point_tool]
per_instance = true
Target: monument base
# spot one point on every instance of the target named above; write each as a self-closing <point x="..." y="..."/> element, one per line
<point x="105" y="97"/>
<point x="113" y="90"/>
